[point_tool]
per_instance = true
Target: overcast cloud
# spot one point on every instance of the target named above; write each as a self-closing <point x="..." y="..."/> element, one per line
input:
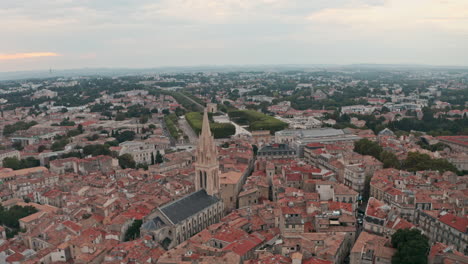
<point x="63" y="34"/>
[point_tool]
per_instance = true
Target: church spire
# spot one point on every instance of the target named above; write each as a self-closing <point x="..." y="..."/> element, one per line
<point x="207" y="166"/>
<point x="206" y="132"/>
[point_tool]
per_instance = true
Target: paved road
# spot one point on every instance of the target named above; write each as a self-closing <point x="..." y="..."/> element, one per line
<point x="225" y="119"/>
<point x="187" y="129"/>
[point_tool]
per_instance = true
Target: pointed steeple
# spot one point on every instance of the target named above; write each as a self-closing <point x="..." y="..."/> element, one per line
<point x="206" y="124"/>
<point x="207" y="166"/>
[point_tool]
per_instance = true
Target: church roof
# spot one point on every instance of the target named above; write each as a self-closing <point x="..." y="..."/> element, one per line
<point x="188" y="205"/>
<point x="153" y="224"/>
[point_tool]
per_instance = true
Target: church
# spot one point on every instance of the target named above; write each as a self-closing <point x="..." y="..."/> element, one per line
<point x="179" y="220"/>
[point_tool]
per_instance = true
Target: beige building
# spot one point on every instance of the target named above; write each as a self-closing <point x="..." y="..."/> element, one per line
<point x="445" y="228"/>
<point x="371" y="249"/>
<point x="212" y="107"/>
<point x="142" y="153"/>
<point x="355" y="177"/>
<point x="261" y="137"/>
<point x="231" y="184"/>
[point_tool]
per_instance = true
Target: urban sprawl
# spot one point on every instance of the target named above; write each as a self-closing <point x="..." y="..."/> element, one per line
<point x="322" y="166"/>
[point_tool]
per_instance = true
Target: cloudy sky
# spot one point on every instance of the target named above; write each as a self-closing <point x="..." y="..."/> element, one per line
<point x="64" y="34"/>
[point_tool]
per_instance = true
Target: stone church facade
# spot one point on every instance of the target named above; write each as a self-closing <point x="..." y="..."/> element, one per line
<point x="179" y="220"/>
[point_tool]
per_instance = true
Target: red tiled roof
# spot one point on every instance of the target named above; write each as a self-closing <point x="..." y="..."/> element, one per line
<point x="293" y="177"/>
<point x="376" y="208"/>
<point x="230" y="234"/>
<point x="316" y="261"/>
<point x="16" y="257"/>
<point x="463" y="140"/>
<point x="72" y="225"/>
<point x="459" y="223"/>
<point x="242" y="247"/>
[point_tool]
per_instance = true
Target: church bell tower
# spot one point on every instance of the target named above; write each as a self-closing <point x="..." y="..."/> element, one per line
<point x="207" y="165"/>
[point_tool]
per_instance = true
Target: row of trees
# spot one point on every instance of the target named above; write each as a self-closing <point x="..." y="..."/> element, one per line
<point x="18" y="164"/>
<point x="181" y="99"/>
<point x="20" y="125"/>
<point x="171" y="121"/>
<point x="413" y="162"/>
<point x="219" y="130"/>
<point x="433" y="126"/>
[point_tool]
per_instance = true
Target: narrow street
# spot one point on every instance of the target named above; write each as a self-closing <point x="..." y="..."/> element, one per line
<point x="187" y="129"/>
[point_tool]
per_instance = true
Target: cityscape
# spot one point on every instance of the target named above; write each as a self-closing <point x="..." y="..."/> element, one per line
<point x="234" y="132"/>
<point x="322" y="166"/>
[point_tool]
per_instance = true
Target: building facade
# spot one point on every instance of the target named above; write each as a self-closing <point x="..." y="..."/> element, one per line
<point x="180" y="219"/>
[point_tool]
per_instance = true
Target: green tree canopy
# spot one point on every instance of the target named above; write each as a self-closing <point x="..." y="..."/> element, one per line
<point x="126" y="161"/>
<point x="127" y="135"/>
<point x="416" y="162"/>
<point x="159" y="157"/>
<point x="389" y="159"/>
<point x="412" y="247"/>
<point x="96" y="150"/>
<point x="367" y="147"/>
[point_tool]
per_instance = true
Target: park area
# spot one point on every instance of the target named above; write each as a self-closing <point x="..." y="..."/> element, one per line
<point x="256" y="120"/>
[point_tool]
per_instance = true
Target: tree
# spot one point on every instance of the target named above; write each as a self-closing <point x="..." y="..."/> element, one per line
<point x="17" y="145"/>
<point x="389" y="159"/>
<point x="80" y="128"/>
<point x="16" y="164"/>
<point x="165" y="111"/>
<point x="10" y="217"/>
<point x="127" y="135"/>
<point x="59" y="144"/>
<point x="96" y="150"/>
<point x="126" y="161"/>
<point x="143" y="119"/>
<point x="179" y="111"/>
<point x="385" y="110"/>
<point x="412" y="247"/>
<point x="133" y="232"/>
<point x="120" y="117"/>
<point x="12" y="163"/>
<point x="20" y="125"/>
<point x="93" y="137"/>
<point x="255" y="149"/>
<point x="428" y="114"/>
<point x="367" y="147"/>
<point x="416" y="162"/>
<point x="159" y="158"/>
<point x="41" y="148"/>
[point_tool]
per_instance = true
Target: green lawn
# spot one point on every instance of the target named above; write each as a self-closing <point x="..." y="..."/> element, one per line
<point x="219" y="130"/>
<point x="257" y="121"/>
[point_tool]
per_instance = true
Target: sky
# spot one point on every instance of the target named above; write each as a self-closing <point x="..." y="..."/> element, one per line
<point x="70" y="34"/>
